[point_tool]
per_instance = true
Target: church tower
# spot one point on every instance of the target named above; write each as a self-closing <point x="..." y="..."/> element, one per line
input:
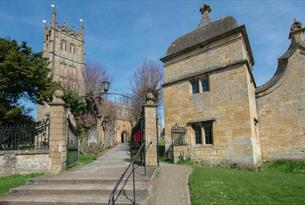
<point x="64" y="47"/>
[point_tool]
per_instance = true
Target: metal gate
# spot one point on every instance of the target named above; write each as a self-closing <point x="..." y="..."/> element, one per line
<point x="72" y="143"/>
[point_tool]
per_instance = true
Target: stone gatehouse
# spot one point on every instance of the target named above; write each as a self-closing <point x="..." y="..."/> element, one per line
<point x="210" y="90"/>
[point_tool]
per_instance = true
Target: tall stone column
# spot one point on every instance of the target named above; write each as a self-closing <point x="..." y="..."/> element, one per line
<point x="150" y="120"/>
<point x="58" y="133"/>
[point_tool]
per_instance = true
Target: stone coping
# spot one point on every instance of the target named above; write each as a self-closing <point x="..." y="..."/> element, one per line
<point x="24" y="152"/>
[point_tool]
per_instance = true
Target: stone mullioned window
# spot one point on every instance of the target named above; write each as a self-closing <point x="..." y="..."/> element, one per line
<point x="200" y="85"/>
<point x="207" y="129"/>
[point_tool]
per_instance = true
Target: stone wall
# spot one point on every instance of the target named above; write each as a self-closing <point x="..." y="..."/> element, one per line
<point x="206" y="58"/>
<point x="24" y="162"/>
<point x="180" y="151"/>
<point x="281" y="110"/>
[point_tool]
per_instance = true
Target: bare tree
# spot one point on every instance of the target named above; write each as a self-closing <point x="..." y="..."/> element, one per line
<point x="94" y="75"/>
<point x="107" y="119"/>
<point x="147" y="78"/>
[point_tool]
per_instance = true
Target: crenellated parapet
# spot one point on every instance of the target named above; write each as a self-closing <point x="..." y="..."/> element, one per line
<point x="71" y="32"/>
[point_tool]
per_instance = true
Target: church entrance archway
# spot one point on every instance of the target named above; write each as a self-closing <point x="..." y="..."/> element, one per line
<point x="124" y="136"/>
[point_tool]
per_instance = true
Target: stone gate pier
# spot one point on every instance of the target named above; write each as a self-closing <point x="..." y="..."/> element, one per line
<point x="150" y="132"/>
<point x="41" y="147"/>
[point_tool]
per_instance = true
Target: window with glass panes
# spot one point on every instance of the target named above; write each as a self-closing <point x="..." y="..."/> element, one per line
<point x="205" y="85"/>
<point x="195" y="86"/>
<point x="208" y="133"/>
<point x="197" y="133"/>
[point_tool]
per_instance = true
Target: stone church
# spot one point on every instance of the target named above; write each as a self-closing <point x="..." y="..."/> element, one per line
<point x="64" y="47"/>
<point x="209" y="89"/>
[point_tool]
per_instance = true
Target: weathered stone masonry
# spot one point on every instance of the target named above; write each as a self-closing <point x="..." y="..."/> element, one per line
<point x="281" y="103"/>
<point x="64" y="47"/>
<point x="246" y="121"/>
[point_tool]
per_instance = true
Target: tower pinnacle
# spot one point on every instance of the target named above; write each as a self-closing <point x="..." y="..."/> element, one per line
<point x="82" y="25"/>
<point x="296" y="30"/>
<point x="205" y="10"/>
<point x="53" y="22"/>
<point x="295" y="25"/>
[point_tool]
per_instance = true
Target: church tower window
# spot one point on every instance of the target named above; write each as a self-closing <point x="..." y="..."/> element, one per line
<point x="63" y="45"/>
<point x="72" y="48"/>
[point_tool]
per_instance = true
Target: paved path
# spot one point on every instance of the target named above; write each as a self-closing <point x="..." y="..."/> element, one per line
<point x="110" y="164"/>
<point x="171" y="185"/>
<point x="87" y="185"/>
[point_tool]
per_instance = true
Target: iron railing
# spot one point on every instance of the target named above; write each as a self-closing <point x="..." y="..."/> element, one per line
<point x="72" y="143"/>
<point x="115" y="194"/>
<point x="33" y="136"/>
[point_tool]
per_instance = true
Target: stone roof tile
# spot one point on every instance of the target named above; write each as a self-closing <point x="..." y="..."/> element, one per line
<point x="202" y="33"/>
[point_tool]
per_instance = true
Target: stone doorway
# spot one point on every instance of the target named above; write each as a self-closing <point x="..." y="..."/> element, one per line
<point x="123" y="137"/>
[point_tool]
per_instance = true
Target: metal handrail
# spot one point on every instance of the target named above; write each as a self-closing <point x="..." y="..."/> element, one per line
<point x="112" y="199"/>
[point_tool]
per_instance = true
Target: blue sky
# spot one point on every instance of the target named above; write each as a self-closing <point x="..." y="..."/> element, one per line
<point x="120" y="34"/>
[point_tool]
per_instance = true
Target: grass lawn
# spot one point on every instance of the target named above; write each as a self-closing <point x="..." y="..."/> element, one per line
<point x="85" y="159"/>
<point x="82" y="160"/>
<point x="8" y="182"/>
<point x="281" y="182"/>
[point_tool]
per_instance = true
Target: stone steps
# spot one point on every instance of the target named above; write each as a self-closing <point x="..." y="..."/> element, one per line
<point x="67" y="181"/>
<point x="59" y="191"/>
<point x="71" y="199"/>
<point x="88" y="185"/>
<point x="77" y="189"/>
